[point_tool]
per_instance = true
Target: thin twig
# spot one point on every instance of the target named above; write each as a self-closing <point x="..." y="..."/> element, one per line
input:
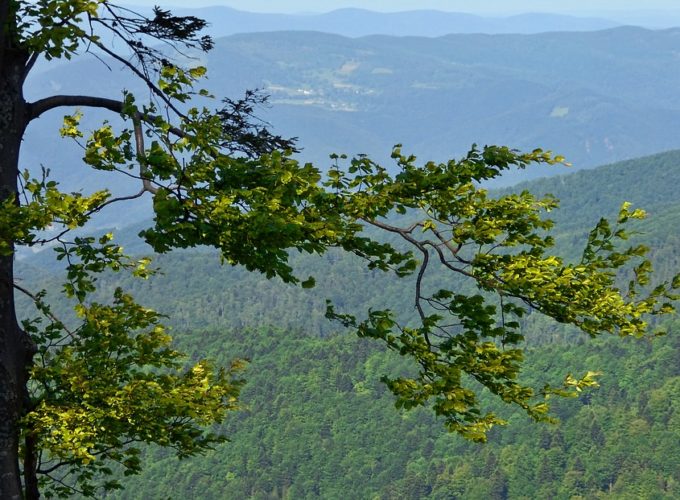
<point x="47" y="313"/>
<point x="141" y="158"/>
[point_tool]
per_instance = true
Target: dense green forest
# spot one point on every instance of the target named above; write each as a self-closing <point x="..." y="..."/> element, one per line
<point x="318" y="423"/>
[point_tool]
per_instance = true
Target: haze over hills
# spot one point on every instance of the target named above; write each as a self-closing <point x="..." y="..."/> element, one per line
<point x="427" y="21"/>
<point x="594" y="97"/>
<point x="355" y="22"/>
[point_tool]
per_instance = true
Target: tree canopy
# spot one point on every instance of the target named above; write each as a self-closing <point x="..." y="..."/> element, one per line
<point x="81" y="394"/>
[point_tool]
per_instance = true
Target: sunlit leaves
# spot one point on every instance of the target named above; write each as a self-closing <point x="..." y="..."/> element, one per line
<point x="70" y="127"/>
<point x="116" y="381"/>
<point x="108" y="378"/>
<point x="500" y="246"/>
<point x="53" y="27"/>
<point x="108" y="151"/>
<point x="56" y="28"/>
<point x="44" y="206"/>
<point x="176" y="82"/>
<point x="252" y="210"/>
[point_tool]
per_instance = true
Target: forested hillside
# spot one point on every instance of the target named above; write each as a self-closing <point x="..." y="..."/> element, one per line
<point x="318" y="423"/>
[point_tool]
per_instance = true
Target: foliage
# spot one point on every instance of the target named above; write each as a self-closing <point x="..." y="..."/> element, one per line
<point x="112" y="380"/>
<point x="500" y="244"/>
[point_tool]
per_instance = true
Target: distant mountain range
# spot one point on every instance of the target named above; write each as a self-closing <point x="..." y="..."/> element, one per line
<point x="595" y="97"/>
<point x="360" y="22"/>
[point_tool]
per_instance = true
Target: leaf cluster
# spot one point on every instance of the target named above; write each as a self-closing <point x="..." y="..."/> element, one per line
<point x="500" y="246"/>
<point x="110" y="381"/>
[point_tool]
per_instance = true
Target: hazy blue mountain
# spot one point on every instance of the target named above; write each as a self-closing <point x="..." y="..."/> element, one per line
<point x="360" y="22"/>
<point x="649" y="18"/>
<point x="595" y="97"/>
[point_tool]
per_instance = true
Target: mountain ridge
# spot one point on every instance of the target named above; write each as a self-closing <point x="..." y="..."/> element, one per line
<point x="356" y="22"/>
<point x="594" y="97"/>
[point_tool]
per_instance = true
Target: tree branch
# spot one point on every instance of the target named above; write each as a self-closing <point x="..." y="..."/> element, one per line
<point x="56" y="101"/>
<point x="37" y="301"/>
<point x="447" y="243"/>
<point x="54" y="467"/>
<point x="144" y="77"/>
<point x="419" y="282"/>
<point x="37" y="108"/>
<point x="141" y="158"/>
<point x="29" y="65"/>
<point x="406" y="234"/>
<point x="93" y="211"/>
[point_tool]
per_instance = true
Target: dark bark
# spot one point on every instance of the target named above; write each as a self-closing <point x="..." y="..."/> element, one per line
<point x="16" y="348"/>
<point x="39" y="107"/>
<point x="4" y="27"/>
<point x="31" y="468"/>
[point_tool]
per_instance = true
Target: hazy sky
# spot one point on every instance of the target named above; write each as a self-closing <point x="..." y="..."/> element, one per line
<point x="480" y="6"/>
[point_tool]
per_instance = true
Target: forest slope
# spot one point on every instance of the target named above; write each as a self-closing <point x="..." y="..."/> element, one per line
<point x="197" y="292"/>
<point x="319" y="424"/>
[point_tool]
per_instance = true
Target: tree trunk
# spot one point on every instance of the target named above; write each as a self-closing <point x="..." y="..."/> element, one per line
<point x="16" y="348"/>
